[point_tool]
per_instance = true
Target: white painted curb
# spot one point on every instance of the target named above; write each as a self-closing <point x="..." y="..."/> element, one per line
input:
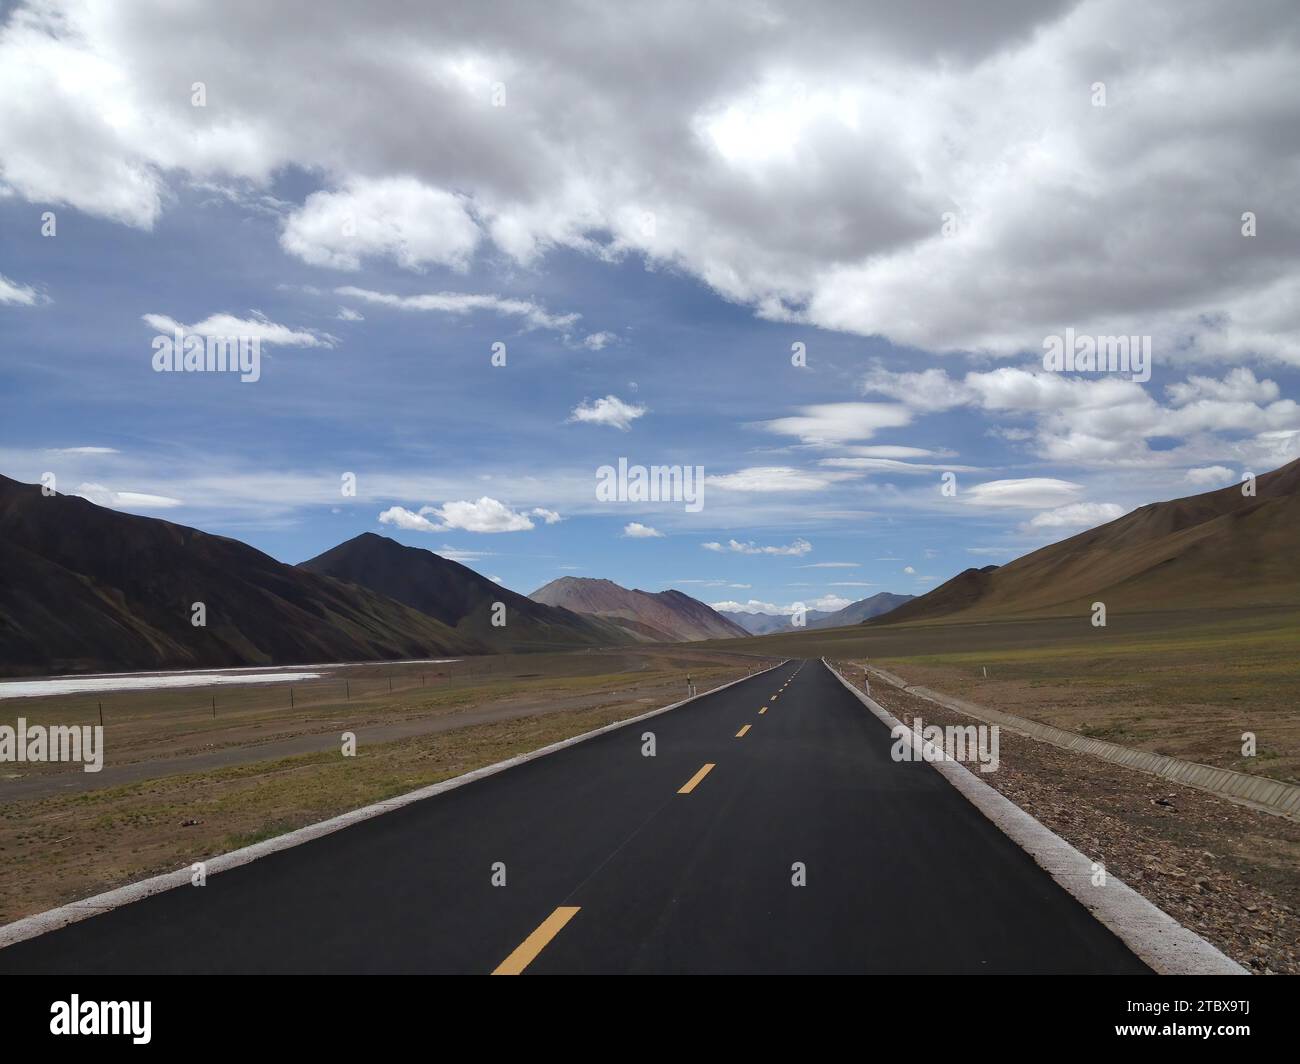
<point x="51" y="920"/>
<point x="1159" y="940"/>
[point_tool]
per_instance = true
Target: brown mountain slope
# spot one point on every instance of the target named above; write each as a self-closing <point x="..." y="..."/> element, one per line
<point x="666" y="616"/>
<point x="460" y="597"/>
<point x="1217" y="549"/>
<point x="84" y="588"/>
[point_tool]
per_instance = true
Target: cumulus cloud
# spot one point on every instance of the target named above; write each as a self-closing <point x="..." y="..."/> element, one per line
<point x="752" y="606"/>
<point x="1107" y="420"/>
<point x="930" y="389"/>
<point x="485" y="515"/>
<point x="1215" y="475"/>
<point x="611" y="410"/>
<point x="797" y="548"/>
<point x="1239" y="386"/>
<point x="636" y="530"/>
<point x="397" y="217"/>
<point x="1077" y="515"/>
<point x="598" y="341"/>
<point x="719" y="137"/>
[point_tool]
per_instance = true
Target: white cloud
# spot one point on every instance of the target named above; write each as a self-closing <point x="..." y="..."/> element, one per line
<point x="258" y="327"/>
<point x="931" y="389"/>
<point x="752" y="606"/>
<point x="837" y="423"/>
<point x="348" y="314"/>
<point x="773" y="479"/>
<point x="831" y="565"/>
<point x="1239" y="386"/>
<point x="796" y="549"/>
<point x="886" y="451"/>
<point x="1216" y="475"/>
<point x="1107" y="421"/>
<point x="909" y="570"/>
<point x="720" y="137"/>
<point x="485" y="515"/>
<point x="611" y="410"/>
<point x="1078" y="515"/>
<point x="409" y="520"/>
<point x="1028" y="493"/>
<point x="549" y="516"/>
<point x="636" y="530"/>
<point x="395" y="217"/>
<point x="86" y="450"/>
<point x="598" y="341"/>
<point x="533" y="315"/>
<point x="125" y="500"/>
<point x="456" y="554"/>
<point x="13" y="293"/>
<point x="890" y="465"/>
<point x="828" y="603"/>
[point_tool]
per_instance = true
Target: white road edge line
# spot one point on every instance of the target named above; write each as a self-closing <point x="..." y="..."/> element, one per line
<point x="1157" y="939"/>
<point x="74" y="912"/>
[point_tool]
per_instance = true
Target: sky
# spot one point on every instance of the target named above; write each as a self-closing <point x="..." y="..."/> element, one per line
<point x="818" y="252"/>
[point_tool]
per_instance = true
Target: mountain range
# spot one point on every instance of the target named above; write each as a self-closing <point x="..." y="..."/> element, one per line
<point x="664" y="616"/>
<point x="84" y="588"/>
<point x="459" y="597"/>
<point x="1222" y="548"/>
<point x="854" y="613"/>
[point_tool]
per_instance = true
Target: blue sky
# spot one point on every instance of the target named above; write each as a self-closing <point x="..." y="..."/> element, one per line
<point x="658" y="290"/>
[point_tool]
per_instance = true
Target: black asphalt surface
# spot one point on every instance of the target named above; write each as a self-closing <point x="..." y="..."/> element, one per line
<point x="903" y="874"/>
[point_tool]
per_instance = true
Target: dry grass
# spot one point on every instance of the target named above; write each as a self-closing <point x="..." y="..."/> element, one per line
<point x="69" y="846"/>
<point x="1187" y="684"/>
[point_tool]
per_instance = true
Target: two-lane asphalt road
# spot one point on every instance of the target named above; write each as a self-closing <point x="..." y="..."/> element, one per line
<point x="687" y="861"/>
